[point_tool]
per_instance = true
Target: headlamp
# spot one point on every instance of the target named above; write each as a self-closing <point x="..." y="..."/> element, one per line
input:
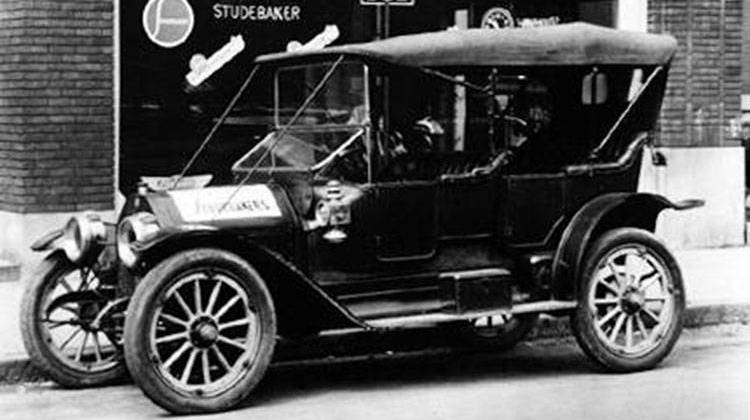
<point x="133" y="228"/>
<point x="81" y="234"/>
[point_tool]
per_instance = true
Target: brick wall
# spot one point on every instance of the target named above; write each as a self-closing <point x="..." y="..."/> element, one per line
<point x="746" y="47"/>
<point x="56" y="113"/>
<point x="704" y="90"/>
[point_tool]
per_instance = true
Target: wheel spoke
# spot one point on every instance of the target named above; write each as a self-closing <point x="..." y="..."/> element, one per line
<point x="183" y="304"/>
<point x="630" y="265"/>
<point x="618" y="276"/>
<point x="237" y="323"/>
<point x="651" y="314"/>
<point x="57" y="324"/>
<point x="611" y="288"/>
<point x="213" y="297"/>
<point x="205" y="366"/>
<point x="606" y="301"/>
<point x="617" y="328"/>
<point x="188" y="367"/>
<point x="69" y="309"/>
<point x="172" y="337"/>
<point x="97" y="347"/>
<point x="198" y="297"/>
<point x="65" y="284"/>
<point x="220" y="356"/>
<point x="70" y="338"/>
<point x="83" y="345"/>
<point x="176" y="355"/>
<point x="641" y="326"/>
<point x="85" y="280"/>
<point x="611" y="314"/>
<point x="629" y="332"/>
<point x="656" y="299"/>
<point x="173" y="319"/>
<point x="226" y="307"/>
<point x="234" y="343"/>
<point x="651" y="280"/>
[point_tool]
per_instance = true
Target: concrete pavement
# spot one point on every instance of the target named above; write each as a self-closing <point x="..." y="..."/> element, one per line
<point x="706" y="377"/>
<point x="717" y="282"/>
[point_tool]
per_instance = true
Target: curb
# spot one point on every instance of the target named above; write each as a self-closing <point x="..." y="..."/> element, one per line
<point x="23" y="371"/>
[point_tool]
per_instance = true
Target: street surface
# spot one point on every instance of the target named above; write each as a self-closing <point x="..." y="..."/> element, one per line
<point x="706" y="377"/>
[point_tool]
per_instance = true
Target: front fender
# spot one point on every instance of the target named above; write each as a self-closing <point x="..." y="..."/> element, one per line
<point x="302" y="306"/>
<point x="47" y="241"/>
<point x="594" y="218"/>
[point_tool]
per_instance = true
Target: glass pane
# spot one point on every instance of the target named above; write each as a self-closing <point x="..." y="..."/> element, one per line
<point x="341" y="100"/>
<point x="299" y="149"/>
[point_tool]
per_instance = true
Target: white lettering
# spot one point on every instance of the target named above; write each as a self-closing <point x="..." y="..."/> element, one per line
<point x="223" y="203"/>
<point x="257" y="12"/>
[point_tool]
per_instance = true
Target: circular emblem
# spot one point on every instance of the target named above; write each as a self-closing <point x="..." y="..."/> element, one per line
<point x="168" y="23"/>
<point x="498" y="18"/>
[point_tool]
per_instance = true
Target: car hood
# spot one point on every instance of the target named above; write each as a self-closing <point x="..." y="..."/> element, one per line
<point x="223" y="207"/>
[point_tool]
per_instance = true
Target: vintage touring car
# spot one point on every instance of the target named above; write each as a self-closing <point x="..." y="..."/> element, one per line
<point x="469" y="180"/>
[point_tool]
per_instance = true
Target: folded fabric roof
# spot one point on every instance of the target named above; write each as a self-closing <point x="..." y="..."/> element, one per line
<point x="566" y="44"/>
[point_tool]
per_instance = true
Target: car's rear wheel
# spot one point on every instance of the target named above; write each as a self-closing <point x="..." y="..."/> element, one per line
<point x="498" y="332"/>
<point x="631" y="301"/>
<point x="201" y="331"/>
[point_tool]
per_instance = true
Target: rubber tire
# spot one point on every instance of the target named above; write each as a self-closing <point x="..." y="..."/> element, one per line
<point x="51" y="268"/>
<point x="581" y="321"/>
<point x="502" y="342"/>
<point x="141" y="310"/>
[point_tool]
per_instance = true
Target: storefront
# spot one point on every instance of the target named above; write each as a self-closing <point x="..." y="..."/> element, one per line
<point x="94" y="94"/>
<point x="163" y="117"/>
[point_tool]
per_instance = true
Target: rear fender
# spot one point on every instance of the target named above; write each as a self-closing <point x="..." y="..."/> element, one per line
<point x="302" y="307"/>
<point x="601" y="214"/>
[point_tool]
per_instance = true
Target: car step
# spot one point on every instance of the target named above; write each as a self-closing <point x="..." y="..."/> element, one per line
<point x="441" y="317"/>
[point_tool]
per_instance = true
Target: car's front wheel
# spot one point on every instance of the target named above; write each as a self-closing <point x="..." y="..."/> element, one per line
<point x="631" y="301"/>
<point x="200" y="331"/>
<point x="71" y="326"/>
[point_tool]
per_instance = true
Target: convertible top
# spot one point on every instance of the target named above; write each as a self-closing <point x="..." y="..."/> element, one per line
<point x="566" y="44"/>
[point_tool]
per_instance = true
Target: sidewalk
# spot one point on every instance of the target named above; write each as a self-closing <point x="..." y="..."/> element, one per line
<point x="717" y="282"/>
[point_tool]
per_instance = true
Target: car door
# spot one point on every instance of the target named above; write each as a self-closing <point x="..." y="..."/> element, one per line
<point x="406" y="225"/>
<point x="533" y="208"/>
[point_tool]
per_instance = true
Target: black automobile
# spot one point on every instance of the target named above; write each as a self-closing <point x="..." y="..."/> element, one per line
<point x="468" y="179"/>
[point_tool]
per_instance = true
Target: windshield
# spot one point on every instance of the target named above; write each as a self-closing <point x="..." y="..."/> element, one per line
<point x="295" y="149"/>
<point x="333" y="121"/>
<point x="341" y="101"/>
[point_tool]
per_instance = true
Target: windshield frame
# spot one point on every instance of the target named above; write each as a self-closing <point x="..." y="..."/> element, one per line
<point x="362" y="129"/>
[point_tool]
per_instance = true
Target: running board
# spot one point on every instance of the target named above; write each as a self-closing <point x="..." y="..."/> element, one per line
<point x="436" y="318"/>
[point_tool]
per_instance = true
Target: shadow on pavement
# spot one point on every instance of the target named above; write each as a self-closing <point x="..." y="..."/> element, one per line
<point x="422" y="360"/>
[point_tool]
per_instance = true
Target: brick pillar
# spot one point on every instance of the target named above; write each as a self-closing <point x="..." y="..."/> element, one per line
<point x="56" y="115"/>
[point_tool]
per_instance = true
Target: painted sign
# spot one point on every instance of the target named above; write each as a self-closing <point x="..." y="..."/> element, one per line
<point x="257" y="12"/>
<point x="226" y="203"/>
<point x="330" y="33"/>
<point x="168" y="23"/>
<point x="201" y="68"/>
<point x="389" y="2"/>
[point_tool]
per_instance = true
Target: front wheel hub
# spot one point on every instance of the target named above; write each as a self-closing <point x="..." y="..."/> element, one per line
<point x="632" y="301"/>
<point x="204" y="333"/>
